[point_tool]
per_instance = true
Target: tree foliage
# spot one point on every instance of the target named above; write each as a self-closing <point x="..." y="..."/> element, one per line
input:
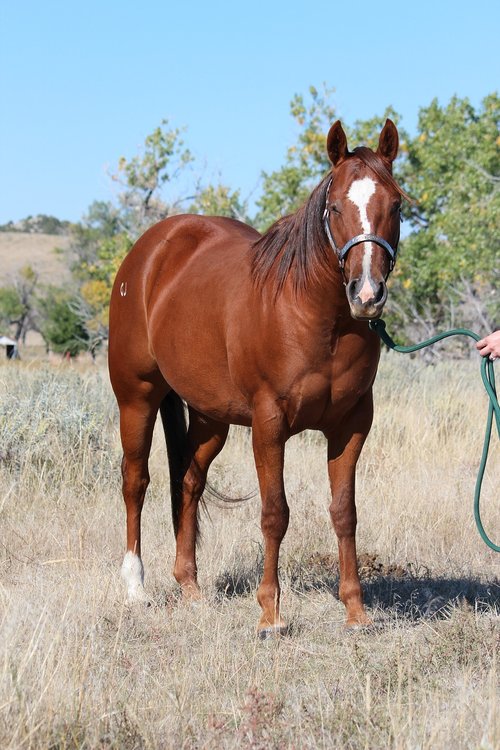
<point x="220" y="200"/>
<point x="61" y="326"/>
<point x="18" y="304"/>
<point x="40" y="224"/>
<point x="448" y="270"/>
<point x="285" y="189"/>
<point x="162" y="160"/>
<point x="99" y="245"/>
<point x="100" y="242"/>
<point x="450" y="265"/>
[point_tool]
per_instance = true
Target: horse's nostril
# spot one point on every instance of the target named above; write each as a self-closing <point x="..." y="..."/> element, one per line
<point x="381" y="293"/>
<point x="351" y="288"/>
<point x="366" y="293"/>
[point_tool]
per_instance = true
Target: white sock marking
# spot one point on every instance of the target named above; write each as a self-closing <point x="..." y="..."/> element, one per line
<point x="133" y="574"/>
<point x="360" y="193"/>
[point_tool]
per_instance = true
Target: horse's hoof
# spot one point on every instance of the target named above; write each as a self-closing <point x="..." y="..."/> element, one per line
<point x="192" y="595"/>
<point x="272" y="631"/>
<point x="359" y="623"/>
<point x="138" y="598"/>
<point x="193" y="605"/>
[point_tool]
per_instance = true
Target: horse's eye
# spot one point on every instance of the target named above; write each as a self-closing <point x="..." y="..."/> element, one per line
<point x="335" y="207"/>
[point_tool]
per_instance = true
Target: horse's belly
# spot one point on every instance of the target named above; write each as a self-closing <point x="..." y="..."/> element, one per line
<point x="193" y="361"/>
<point x="211" y="396"/>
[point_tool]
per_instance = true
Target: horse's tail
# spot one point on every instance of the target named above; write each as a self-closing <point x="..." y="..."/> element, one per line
<point x="173" y="417"/>
<point x="175" y="428"/>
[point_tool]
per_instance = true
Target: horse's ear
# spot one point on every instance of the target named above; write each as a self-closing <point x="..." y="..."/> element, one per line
<point x="336" y="144"/>
<point x="388" y="142"/>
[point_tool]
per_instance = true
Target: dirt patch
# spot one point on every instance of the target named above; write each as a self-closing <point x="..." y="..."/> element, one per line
<point x="370" y="566"/>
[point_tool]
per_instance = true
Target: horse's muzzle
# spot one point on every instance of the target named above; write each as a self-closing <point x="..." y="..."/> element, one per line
<point x="366" y="299"/>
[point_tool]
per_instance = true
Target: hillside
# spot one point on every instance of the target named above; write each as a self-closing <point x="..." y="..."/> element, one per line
<point x="18" y="249"/>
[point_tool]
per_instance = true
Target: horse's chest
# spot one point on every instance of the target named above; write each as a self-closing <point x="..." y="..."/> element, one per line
<point x="324" y="397"/>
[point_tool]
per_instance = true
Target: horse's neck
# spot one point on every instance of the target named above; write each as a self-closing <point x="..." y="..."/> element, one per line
<point x="327" y="298"/>
<point x="321" y="306"/>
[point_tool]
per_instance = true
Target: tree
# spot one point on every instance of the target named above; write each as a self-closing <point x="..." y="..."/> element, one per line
<point x="449" y="261"/>
<point x="307" y="162"/>
<point x="103" y="238"/>
<point x="40" y="224"/>
<point x="219" y="200"/>
<point x="449" y="267"/>
<point x="62" y="327"/>
<point x="94" y="277"/>
<point x="18" y="304"/>
<point x="285" y="189"/>
<point x="100" y="223"/>
<point x="143" y="177"/>
<point x="449" y="264"/>
<point x="98" y="246"/>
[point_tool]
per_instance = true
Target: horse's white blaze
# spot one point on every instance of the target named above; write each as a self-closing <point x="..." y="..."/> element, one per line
<point x="133" y="574"/>
<point x="360" y="193"/>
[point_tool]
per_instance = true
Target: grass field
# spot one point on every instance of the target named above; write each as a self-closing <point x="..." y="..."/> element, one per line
<point x="81" y="669"/>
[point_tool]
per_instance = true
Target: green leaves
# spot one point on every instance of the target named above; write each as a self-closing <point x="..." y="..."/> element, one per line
<point x="18" y="303"/>
<point x="163" y="156"/>
<point x="306" y="162"/>
<point x="62" y="327"/>
<point x="11" y="306"/>
<point x="450" y="264"/>
<point x="219" y="200"/>
<point x="163" y="159"/>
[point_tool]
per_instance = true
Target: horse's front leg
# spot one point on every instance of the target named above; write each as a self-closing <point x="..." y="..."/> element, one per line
<point x="269" y="434"/>
<point x="344" y="447"/>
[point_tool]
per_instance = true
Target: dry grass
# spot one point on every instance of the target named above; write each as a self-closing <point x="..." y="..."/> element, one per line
<point x="80" y="669"/>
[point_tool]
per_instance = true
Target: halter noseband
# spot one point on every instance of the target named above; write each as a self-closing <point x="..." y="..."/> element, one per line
<point x="341" y="253"/>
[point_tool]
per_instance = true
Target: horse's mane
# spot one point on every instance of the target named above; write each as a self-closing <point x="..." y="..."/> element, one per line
<point x="297" y="244"/>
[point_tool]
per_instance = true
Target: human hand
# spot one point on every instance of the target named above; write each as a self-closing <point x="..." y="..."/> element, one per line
<point x="490" y="346"/>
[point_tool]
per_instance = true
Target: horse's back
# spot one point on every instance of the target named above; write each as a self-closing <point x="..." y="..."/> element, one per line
<point x="172" y="244"/>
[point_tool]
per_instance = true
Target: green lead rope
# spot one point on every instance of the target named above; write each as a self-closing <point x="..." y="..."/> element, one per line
<point x="488" y="378"/>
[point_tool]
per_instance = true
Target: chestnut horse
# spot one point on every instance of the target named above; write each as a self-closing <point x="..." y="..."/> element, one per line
<point x="266" y="331"/>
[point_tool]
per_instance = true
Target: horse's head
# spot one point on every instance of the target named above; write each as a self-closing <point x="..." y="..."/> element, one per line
<point x="362" y="217"/>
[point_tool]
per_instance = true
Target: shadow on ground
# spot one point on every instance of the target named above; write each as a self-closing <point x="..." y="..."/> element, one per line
<point x="408" y="591"/>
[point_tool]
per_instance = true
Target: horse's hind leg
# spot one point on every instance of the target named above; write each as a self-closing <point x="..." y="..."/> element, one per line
<point x="206" y="439"/>
<point x="137" y="419"/>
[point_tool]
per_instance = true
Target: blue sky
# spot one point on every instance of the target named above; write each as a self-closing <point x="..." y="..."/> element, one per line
<point x="82" y="84"/>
